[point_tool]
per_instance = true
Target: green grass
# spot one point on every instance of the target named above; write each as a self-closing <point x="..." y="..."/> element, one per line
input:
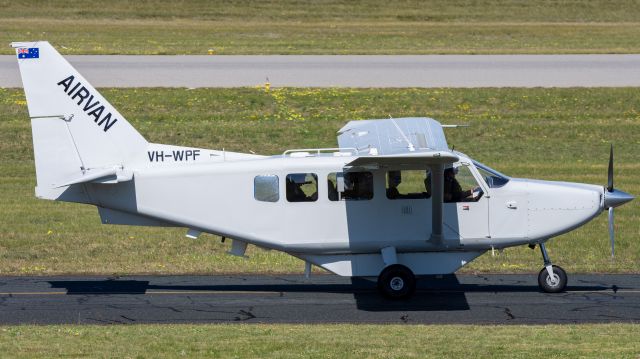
<point x="322" y="341"/>
<point x="324" y="27"/>
<point x="553" y="134"/>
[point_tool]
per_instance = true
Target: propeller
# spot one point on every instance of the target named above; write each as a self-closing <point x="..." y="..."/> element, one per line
<point x="610" y="190"/>
<point x="610" y="174"/>
<point x="613" y="198"/>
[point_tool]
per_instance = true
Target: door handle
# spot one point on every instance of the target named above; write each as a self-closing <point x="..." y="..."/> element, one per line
<point x="512" y="204"/>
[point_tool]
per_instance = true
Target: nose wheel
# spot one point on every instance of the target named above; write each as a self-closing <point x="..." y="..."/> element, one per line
<point x="552" y="278"/>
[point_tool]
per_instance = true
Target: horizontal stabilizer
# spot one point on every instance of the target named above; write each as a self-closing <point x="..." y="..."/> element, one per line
<point x="108" y="175"/>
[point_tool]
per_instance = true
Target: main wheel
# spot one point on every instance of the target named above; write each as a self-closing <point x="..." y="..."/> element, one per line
<point x="396" y="282"/>
<point x="554" y="284"/>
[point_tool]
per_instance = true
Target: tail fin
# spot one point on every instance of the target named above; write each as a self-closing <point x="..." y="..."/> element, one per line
<point x="76" y="132"/>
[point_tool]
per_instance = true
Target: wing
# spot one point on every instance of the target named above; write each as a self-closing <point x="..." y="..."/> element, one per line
<point x="393" y="136"/>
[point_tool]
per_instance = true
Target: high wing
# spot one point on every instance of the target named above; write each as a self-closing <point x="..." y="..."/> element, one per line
<point x="393" y="136"/>
<point x="403" y="143"/>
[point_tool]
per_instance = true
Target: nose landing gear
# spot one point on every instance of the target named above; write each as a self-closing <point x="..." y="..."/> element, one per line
<point x="551" y="279"/>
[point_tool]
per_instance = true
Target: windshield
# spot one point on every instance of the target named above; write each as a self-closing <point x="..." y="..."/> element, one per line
<point x="493" y="178"/>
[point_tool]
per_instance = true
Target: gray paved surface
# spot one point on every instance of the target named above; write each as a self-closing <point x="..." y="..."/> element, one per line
<point x="351" y="71"/>
<point x="503" y="299"/>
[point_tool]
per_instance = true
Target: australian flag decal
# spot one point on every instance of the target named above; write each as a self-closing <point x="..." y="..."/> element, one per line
<point x="30" y="53"/>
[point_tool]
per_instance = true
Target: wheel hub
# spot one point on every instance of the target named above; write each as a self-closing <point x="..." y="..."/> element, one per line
<point x="553" y="281"/>
<point x="396" y="283"/>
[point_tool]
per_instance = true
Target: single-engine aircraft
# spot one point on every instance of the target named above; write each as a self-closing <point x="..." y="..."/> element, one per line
<point x="393" y="201"/>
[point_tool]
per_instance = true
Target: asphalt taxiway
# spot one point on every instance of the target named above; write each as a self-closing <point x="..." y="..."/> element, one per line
<point x="470" y="299"/>
<point x="348" y="70"/>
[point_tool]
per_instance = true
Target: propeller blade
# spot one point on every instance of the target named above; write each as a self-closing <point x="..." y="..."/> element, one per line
<point x="610" y="174"/>
<point x="611" y="231"/>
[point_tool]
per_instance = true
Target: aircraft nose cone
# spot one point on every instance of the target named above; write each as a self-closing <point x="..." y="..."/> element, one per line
<point x="616" y="198"/>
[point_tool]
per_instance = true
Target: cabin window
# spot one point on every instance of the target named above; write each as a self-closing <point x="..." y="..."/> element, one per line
<point x="409" y="184"/>
<point x="302" y="187"/>
<point x="266" y="189"/>
<point x="350" y="186"/>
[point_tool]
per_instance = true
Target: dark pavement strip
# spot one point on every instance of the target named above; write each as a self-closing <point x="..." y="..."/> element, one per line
<point x="472" y="299"/>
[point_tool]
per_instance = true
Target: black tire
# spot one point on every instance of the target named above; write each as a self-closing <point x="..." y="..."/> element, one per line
<point x="397" y="282"/>
<point x="545" y="283"/>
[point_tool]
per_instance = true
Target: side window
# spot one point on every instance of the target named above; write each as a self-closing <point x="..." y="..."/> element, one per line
<point x="266" y="189"/>
<point x="302" y="187"/>
<point x="350" y="186"/>
<point x="408" y="184"/>
<point x="460" y="185"/>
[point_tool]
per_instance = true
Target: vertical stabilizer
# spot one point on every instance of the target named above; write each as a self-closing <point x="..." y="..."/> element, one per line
<point x="75" y="129"/>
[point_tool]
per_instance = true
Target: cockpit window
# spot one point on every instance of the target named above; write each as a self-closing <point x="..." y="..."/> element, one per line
<point x="460" y="185"/>
<point x="493" y="178"/>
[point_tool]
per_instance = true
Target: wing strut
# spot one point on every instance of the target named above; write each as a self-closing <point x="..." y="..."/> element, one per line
<point x="437" y="194"/>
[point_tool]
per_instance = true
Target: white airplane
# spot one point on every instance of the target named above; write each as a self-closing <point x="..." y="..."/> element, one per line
<point x="392" y="202"/>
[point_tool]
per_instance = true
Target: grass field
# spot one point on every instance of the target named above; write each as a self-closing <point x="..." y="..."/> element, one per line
<point x="322" y="341"/>
<point x="555" y="134"/>
<point x="324" y="27"/>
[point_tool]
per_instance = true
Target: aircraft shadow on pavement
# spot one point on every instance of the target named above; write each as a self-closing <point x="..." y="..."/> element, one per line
<point x="433" y="294"/>
<point x="363" y="290"/>
<point x="425" y="298"/>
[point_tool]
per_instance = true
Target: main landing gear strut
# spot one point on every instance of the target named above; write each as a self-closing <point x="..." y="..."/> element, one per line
<point x="551" y="279"/>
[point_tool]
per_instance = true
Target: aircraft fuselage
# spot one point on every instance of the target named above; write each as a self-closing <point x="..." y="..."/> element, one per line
<point x="220" y="198"/>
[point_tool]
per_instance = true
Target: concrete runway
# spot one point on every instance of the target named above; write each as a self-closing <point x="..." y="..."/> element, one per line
<point x="499" y="299"/>
<point x="350" y="71"/>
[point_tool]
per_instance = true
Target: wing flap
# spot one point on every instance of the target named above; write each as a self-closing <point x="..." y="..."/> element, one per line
<point x="410" y="160"/>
